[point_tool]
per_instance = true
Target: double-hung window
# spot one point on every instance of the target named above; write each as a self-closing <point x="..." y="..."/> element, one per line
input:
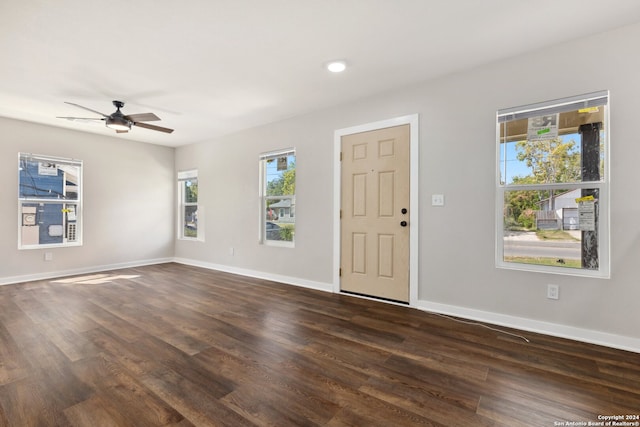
<point x="188" y="205"/>
<point x="552" y="204"/>
<point x="49" y="201"/>
<point x="278" y="197"/>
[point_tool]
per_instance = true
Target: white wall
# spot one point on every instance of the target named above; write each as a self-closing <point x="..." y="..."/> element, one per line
<point x="228" y="189"/>
<point x="128" y="202"/>
<point x="457" y="158"/>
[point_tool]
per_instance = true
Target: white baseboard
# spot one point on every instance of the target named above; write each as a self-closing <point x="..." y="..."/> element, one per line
<point x="537" y="326"/>
<point x="85" y="270"/>
<point x="310" y="284"/>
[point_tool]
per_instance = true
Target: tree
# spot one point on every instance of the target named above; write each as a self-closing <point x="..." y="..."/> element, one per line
<point x="550" y="161"/>
<point x="519" y="201"/>
<point x="289" y="180"/>
<point x="191" y="191"/>
<point x="285" y="184"/>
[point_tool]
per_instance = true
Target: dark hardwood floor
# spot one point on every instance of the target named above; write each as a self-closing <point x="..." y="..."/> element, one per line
<point x="178" y="345"/>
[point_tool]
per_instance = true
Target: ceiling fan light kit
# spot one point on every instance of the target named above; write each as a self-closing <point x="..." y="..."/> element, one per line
<point x="118" y="124"/>
<point x="122" y="123"/>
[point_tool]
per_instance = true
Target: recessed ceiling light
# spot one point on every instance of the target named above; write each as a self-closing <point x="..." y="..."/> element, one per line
<point x="336" y="66"/>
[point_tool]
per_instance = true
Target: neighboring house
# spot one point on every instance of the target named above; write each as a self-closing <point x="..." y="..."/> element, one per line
<point x="564" y="214"/>
<point x="285" y="210"/>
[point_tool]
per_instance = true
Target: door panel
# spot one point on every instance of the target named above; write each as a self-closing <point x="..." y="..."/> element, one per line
<point x="385" y="249"/>
<point x="359" y="253"/>
<point x="375" y="188"/>
<point x="386" y="191"/>
<point x="359" y="192"/>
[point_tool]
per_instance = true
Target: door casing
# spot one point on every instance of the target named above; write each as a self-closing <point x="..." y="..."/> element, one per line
<point x="413" y="121"/>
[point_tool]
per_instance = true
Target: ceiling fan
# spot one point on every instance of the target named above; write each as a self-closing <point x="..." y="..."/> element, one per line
<point x="119" y="122"/>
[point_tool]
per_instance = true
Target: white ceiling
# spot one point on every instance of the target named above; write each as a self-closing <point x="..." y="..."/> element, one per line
<point x="213" y="67"/>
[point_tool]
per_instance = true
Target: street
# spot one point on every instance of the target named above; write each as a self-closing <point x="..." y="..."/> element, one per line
<point x="527" y="244"/>
<point x="542" y="249"/>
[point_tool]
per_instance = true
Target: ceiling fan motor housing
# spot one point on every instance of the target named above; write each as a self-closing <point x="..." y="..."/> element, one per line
<point x="117" y="120"/>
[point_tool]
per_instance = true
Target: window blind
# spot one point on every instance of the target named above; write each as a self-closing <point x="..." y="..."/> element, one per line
<point x="589" y="100"/>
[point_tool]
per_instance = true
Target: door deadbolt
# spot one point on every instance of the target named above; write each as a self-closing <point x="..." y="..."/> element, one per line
<point x="404" y="211"/>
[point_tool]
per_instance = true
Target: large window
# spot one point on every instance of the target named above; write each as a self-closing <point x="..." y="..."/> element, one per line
<point x="188" y="205"/>
<point x="49" y="201"/>
<point x="553" y="187"/>
<point x="278" y="197"/>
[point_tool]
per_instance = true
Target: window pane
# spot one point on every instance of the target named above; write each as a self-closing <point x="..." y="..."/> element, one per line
<point x="280" y="176"/>
<point x="549" y="148"/>
<point x="272" y="231"/>
<point x="279" y="231"/>
<point x="279" y="188"/>
<point x="48" y="179"/>
<point x="280" y="219"/>
<point x="188" y="205"/>
<point x="544" y="227"/>
<point x="191" y="191"/>
<point x="190" y="221"/>
<point x="48" y="223"/>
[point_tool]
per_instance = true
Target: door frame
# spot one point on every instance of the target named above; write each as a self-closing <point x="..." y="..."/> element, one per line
<point x="413" y="121"/>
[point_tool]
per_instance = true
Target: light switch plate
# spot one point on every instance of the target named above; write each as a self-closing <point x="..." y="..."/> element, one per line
<point x="437" y="200"/>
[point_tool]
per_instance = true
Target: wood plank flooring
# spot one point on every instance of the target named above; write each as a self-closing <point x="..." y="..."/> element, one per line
<point x="174" y="345"/>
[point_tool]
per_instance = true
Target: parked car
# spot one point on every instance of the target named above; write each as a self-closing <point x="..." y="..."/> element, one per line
<point x="272" y="231"/>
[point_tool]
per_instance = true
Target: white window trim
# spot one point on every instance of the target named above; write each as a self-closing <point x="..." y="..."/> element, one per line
<point x="185" y="176"/>
<point x="78" y="203"/>
<point x="603" y="186"/>
<point x="262" y="238"/>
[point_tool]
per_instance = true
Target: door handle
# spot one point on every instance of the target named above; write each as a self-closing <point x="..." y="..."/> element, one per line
<point x="403" y="223"/>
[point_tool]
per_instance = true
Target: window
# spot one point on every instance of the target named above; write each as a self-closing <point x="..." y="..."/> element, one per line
<point x="49" y="201"/>
<point x="552" y="205"/>
<point x="278" y="197"/>
<point x="188" y="205"/>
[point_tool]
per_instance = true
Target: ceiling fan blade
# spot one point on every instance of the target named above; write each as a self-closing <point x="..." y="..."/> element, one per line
<point x="79" y="119"/>
<point x="142" y="117"/>
<point x="153" y="127"/>
<point x="85" y="108"/>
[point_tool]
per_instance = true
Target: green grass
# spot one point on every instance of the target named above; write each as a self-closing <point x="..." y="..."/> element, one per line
<point x="190" y="232"/>
<point x="569" y="263"/>
<point x="286" y="232"/>
<point x="555" y="235"/>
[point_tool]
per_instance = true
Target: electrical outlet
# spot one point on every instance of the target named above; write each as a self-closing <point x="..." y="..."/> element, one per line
<point x="231" y="251"/>
<point x="553" y="291"/>
<point x="48" y="256"/>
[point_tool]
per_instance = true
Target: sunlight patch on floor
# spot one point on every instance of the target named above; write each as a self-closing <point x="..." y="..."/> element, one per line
<point x="96" y="279"/>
